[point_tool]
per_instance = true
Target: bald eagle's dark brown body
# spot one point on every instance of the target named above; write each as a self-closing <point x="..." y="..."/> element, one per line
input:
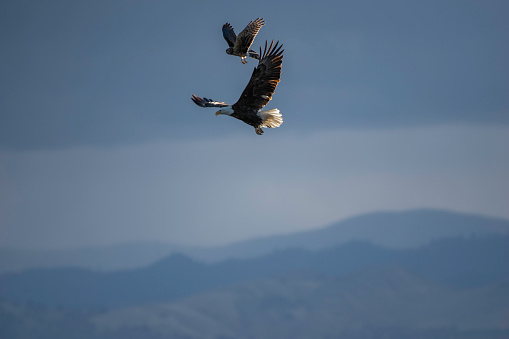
<point x="257" y="93"/>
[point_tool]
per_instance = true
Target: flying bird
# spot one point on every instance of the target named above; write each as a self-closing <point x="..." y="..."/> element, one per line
<point x="257" y="93"/>
<point x="239" y="45"/>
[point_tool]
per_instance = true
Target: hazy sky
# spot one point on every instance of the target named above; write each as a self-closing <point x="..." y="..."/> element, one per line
<point x="387" y="105"/>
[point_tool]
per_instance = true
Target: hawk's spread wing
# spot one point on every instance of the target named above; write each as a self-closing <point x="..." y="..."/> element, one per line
<point x="246" y="37"/>
<point x="264" y="79"/>
<point x="229" y="34"/>
<point x="204" y="102"/>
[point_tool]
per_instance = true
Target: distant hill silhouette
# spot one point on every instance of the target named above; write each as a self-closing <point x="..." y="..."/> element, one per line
<point x="396" y="230"/>
<point x="455" y="262"/>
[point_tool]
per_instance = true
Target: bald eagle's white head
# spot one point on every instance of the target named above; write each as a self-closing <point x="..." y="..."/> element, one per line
<point x="226" y="111"/>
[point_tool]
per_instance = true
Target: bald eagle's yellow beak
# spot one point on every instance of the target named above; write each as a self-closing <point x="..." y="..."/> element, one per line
<point x="217" y="113"/>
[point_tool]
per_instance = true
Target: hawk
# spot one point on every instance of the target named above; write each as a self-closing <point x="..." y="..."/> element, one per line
<point x="239" y="45"/>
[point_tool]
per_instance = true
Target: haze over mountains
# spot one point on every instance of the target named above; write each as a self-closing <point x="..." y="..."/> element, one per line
<point x="397" y="230"/>
<point x="415" y="274"/>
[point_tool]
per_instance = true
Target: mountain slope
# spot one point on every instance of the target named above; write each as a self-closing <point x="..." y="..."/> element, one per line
<point x="313" y="306"/>
<point x="376" y="302"/>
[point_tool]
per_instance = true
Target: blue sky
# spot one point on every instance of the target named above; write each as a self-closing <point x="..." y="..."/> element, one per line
<point x="387" y="105"/>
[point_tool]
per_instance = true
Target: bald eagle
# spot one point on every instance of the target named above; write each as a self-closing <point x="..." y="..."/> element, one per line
<point x="239" y="45"/>
<point x="257" y="93"/>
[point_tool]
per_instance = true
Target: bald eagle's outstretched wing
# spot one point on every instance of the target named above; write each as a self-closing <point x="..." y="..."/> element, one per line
<point x="204" y="102"/>
<point x="239" y="45"/>
<point x="264" y="80"/>
<point x="257" y="93"/>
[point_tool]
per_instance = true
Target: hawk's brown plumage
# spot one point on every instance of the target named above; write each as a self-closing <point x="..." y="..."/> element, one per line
<point x="239" y="45"/>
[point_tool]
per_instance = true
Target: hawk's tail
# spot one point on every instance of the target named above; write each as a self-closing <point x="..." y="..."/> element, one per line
<point x="253" y="54"/>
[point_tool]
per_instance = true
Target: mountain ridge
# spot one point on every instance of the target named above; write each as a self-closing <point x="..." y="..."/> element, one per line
<point x="407" y="229"/>
<point x="459" y="262"/>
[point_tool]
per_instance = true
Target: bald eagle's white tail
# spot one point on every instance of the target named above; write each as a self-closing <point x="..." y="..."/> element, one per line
<point x="271" y="118"/>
